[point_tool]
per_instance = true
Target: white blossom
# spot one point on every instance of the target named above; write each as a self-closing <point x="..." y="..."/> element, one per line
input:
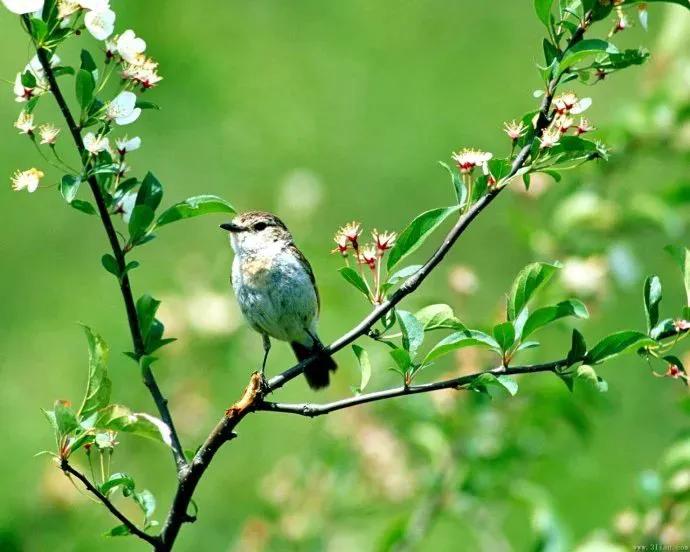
<point x="101" y="23"/>
<point x="130" y="47"/>
<point x="21" y="7"/>
<point x="126" y="205"/>
<point x="95" y="144"/>
<point x="125" y="145"/>
<point x="25" y="123"/>
<point x="48" y="134"/>
<point x="468" y="159"/>
<point x="28" y="180"/>
<point x="122" y="109"/>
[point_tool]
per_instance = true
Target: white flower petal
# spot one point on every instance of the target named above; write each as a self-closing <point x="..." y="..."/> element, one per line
<point x="21" y="7"/>
<point x="581" y="106"/>
<point x="130" y="118"/>
<point x="100" y="24"/>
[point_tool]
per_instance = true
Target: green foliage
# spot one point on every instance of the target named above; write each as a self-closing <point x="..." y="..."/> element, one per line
<point x="438" y="317"/>
<point x="364" y="367"/>
<point x="682" y="256"/>
<point x="546" y="315"/>
<point x="616" y="344"/>
<point x="417" y="232"/>
<point x="652" y="298"/>
<point x="528" y="281"/>
<point x="194" y="207"/>
<point x="354" y="278"/>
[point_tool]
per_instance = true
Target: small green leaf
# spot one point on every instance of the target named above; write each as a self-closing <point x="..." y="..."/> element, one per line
<point x="150" y="192"/>
<point x="110" y="264"/>
<point x="528" y="281"/>
<point x="139" y="222"/>
<point x="65" y="419"/>
<point x="116" y="417"/>
<point x="652" y="298"/>
<point x="412" y="332"/>
<point x="486" y="380"/>
<point x="546" y="315"/>
<point x="682" y="257"/>
<point x="588" y="374"/>
<point x="118" y="531"/>
<point x="504" y="334"/>
<point x="147" y="503"/>
<point x="98" y="384"/>
<point x="402" y="275"/>
<point x="458" y="185"/>
<point x="69" y="186"/>
<point x="118" y="480"/>
<point x="439" y="317"/>
<point x="194" y="207"/>
<point x="402" y="359"/>
<point x="616" y="344"/>
<point x="147" y="307"/>
<point x="585" y="49"/>
<point x="578" y="348"/>
<point x="417" y="232"/>
<point x="457" y="340"/>
<point x="352" y="276"/>
<point x="147" y="105"/>
<point x="85" y="86"/>
<point x="543" y="10"/>
<point x="39" y="29"/>
<point x="364" y="366"/>
<point x="83" y="206"/>
<point x="88" y="64"/>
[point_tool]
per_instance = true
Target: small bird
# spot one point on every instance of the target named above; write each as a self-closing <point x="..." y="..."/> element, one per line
<point x="276" y="290"/>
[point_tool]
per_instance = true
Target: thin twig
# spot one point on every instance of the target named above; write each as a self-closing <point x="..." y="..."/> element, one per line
<point x="125" y="285"/>
<point x="313" y="410"/>
<point x="151" y="539"/>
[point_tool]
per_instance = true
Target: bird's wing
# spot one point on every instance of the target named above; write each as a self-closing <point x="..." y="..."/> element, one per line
<point x="305" y="263"/>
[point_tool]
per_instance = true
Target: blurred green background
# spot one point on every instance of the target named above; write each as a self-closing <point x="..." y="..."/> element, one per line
<point x="322" y="113"/>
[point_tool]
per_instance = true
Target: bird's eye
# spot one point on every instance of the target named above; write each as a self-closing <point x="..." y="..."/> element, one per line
<point x="259" y="226"/>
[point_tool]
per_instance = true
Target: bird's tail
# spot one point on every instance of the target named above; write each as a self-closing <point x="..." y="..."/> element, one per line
<point x="318" y="370"/>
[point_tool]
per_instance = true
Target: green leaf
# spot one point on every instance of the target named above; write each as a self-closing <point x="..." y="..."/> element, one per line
<point x="118" y="480"/>
<point x="146" y="502"/>
<point x="457" y="340"/>
<point x="65" y="419"/>
<point x="652" y="298"/>
<point x="505" y="335"/>
<point x="482" y="383"/>
<point x="98" y="385"/>
<point x="83" y="206"/>
<point x="417" y="232"/>
<point x="584" y="49"/>
<point x="578" y="348"/>
<point x="139" y="222"/>
<point x="528" y="281"/>
<point x="543" y="10"/>
<point x="588" y="374"/>
<point x="541" y="317"/>
<point x="352" y="276"/>
<point x="682" y="257"/>
<point x="39" y="30"/>
<point x="147" y="307"/>
<point x="458" y="185"/>
<point x="147" y="105"/>
<point x="69" y="186"/>
<point x="150" y="192"/>
<point x="402" y="359"/>
<point x="118" y="531"/>
<point x="438" y="317"/>
<point x="110" y="264"/>
<point x="88" y="64"/>
<point x="194" y="207"/>
<point x="402" y="275"/>
<point x="684" y="3"/>
<point x="616" y="344"/>
<point x="364" y="366"/>
<point x="116" y="417"/>
<point x="412" y="332"/>
<point x="665" y="327"/>
<point x="85" y="86"/>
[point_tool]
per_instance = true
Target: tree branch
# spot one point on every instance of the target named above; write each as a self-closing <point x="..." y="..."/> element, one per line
<point x="124" y="282"/>
<point x="313" y="410"/>
<point x="69" y="470"/>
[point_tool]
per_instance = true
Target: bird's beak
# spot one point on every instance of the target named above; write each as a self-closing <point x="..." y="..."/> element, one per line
<point x="231" y="227"/>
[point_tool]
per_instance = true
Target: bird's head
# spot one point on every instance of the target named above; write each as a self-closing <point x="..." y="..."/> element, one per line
<point x="256" y="231"/>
